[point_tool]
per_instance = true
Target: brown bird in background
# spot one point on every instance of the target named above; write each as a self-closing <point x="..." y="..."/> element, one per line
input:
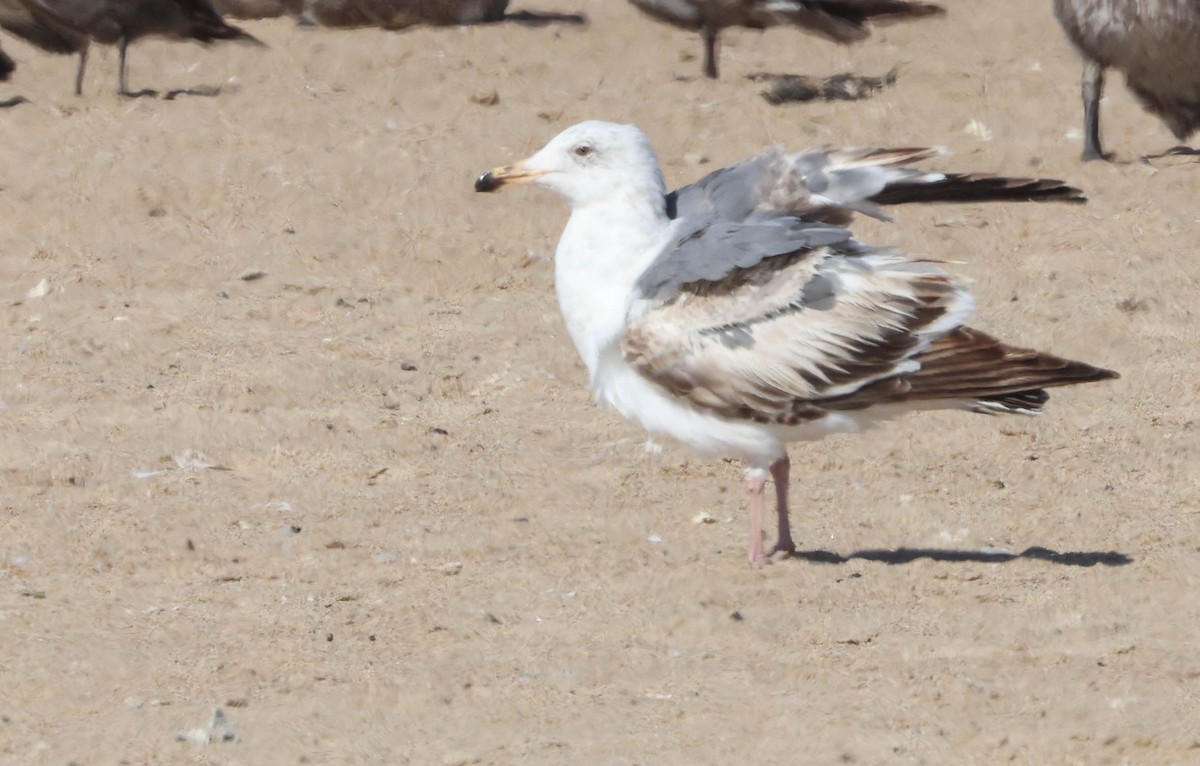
<point x="843" y="21"/>
<point x="120" y="22"/>
<point x="1156" y="43"/>
<point x="398" y="14"/>
<point x="24" y="19"/>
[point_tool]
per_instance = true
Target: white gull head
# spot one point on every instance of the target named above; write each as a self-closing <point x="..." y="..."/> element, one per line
<point x="610" y="176"/>
<point x="593" y="162"/>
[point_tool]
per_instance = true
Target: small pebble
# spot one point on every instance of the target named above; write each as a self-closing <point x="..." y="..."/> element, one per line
<point x="40" y="290"/>
<point x="978" y="130"/>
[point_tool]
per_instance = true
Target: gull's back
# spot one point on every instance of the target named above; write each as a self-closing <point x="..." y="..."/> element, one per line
<point x="839" y="20"/>
<point x="693" y="14"/>
<point x="830" y="185"/>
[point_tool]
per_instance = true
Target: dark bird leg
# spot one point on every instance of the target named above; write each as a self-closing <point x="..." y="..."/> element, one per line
<point x="122" y="88"/>
<point x="83" y="56"/>
<point x="710" y="51"/>
<point x="784" y="547"/>
<point x="6" y="103"/>
<point x="1093" y="88"/>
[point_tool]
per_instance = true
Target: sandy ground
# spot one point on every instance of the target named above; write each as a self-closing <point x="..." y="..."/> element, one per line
<point x="421" y="543"/>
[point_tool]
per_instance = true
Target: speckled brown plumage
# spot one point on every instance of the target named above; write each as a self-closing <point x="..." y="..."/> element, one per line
<point x="1155" y="43"/>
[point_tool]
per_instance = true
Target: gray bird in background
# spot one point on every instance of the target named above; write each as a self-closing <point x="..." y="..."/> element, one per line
<point x="843" y="21"/>
<point x="1156" y="43"/>
<point x="24" y="19"/>
<point x="120" y="22"/>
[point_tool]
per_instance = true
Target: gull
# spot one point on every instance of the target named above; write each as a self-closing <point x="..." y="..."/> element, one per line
<point x="1156" y="43"/>
<point x="120" y="22"/>
<point x="737" y="314"/>
<point x="842" y="21"/>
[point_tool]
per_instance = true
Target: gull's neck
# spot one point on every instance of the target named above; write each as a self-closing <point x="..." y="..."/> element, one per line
<point x="604" y="248"/>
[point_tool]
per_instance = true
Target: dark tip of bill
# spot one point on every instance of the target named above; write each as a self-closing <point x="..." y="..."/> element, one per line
<point x="486" y="183"/>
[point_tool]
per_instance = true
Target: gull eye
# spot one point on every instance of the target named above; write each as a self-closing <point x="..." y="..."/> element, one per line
<point x="583" y="150"/>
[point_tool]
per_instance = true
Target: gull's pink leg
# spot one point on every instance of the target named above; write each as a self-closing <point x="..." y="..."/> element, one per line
<point x="784" y="547"/>
<point x="756" y="482"/>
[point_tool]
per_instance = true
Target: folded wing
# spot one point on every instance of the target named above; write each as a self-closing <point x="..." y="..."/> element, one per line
<point x="830" y="185"/>
<point x="783" y="321"/>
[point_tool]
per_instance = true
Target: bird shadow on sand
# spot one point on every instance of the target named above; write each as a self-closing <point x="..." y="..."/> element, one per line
<point x="1172" y="156"/>
<point x="204" y="91"/>
<point x="540" y="19"/>
<point x="909" y="555"/>
<point x="15" y="100"/>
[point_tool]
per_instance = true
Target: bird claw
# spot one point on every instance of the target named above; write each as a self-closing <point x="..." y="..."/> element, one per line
<point x="778" y="553"/>
<point x="782" y="553"/>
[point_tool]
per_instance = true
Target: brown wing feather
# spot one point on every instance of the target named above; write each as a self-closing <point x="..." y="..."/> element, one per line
<point x="893" y="157"/>
<point x="968" y="365"/>
<point x="980" y="187"/>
